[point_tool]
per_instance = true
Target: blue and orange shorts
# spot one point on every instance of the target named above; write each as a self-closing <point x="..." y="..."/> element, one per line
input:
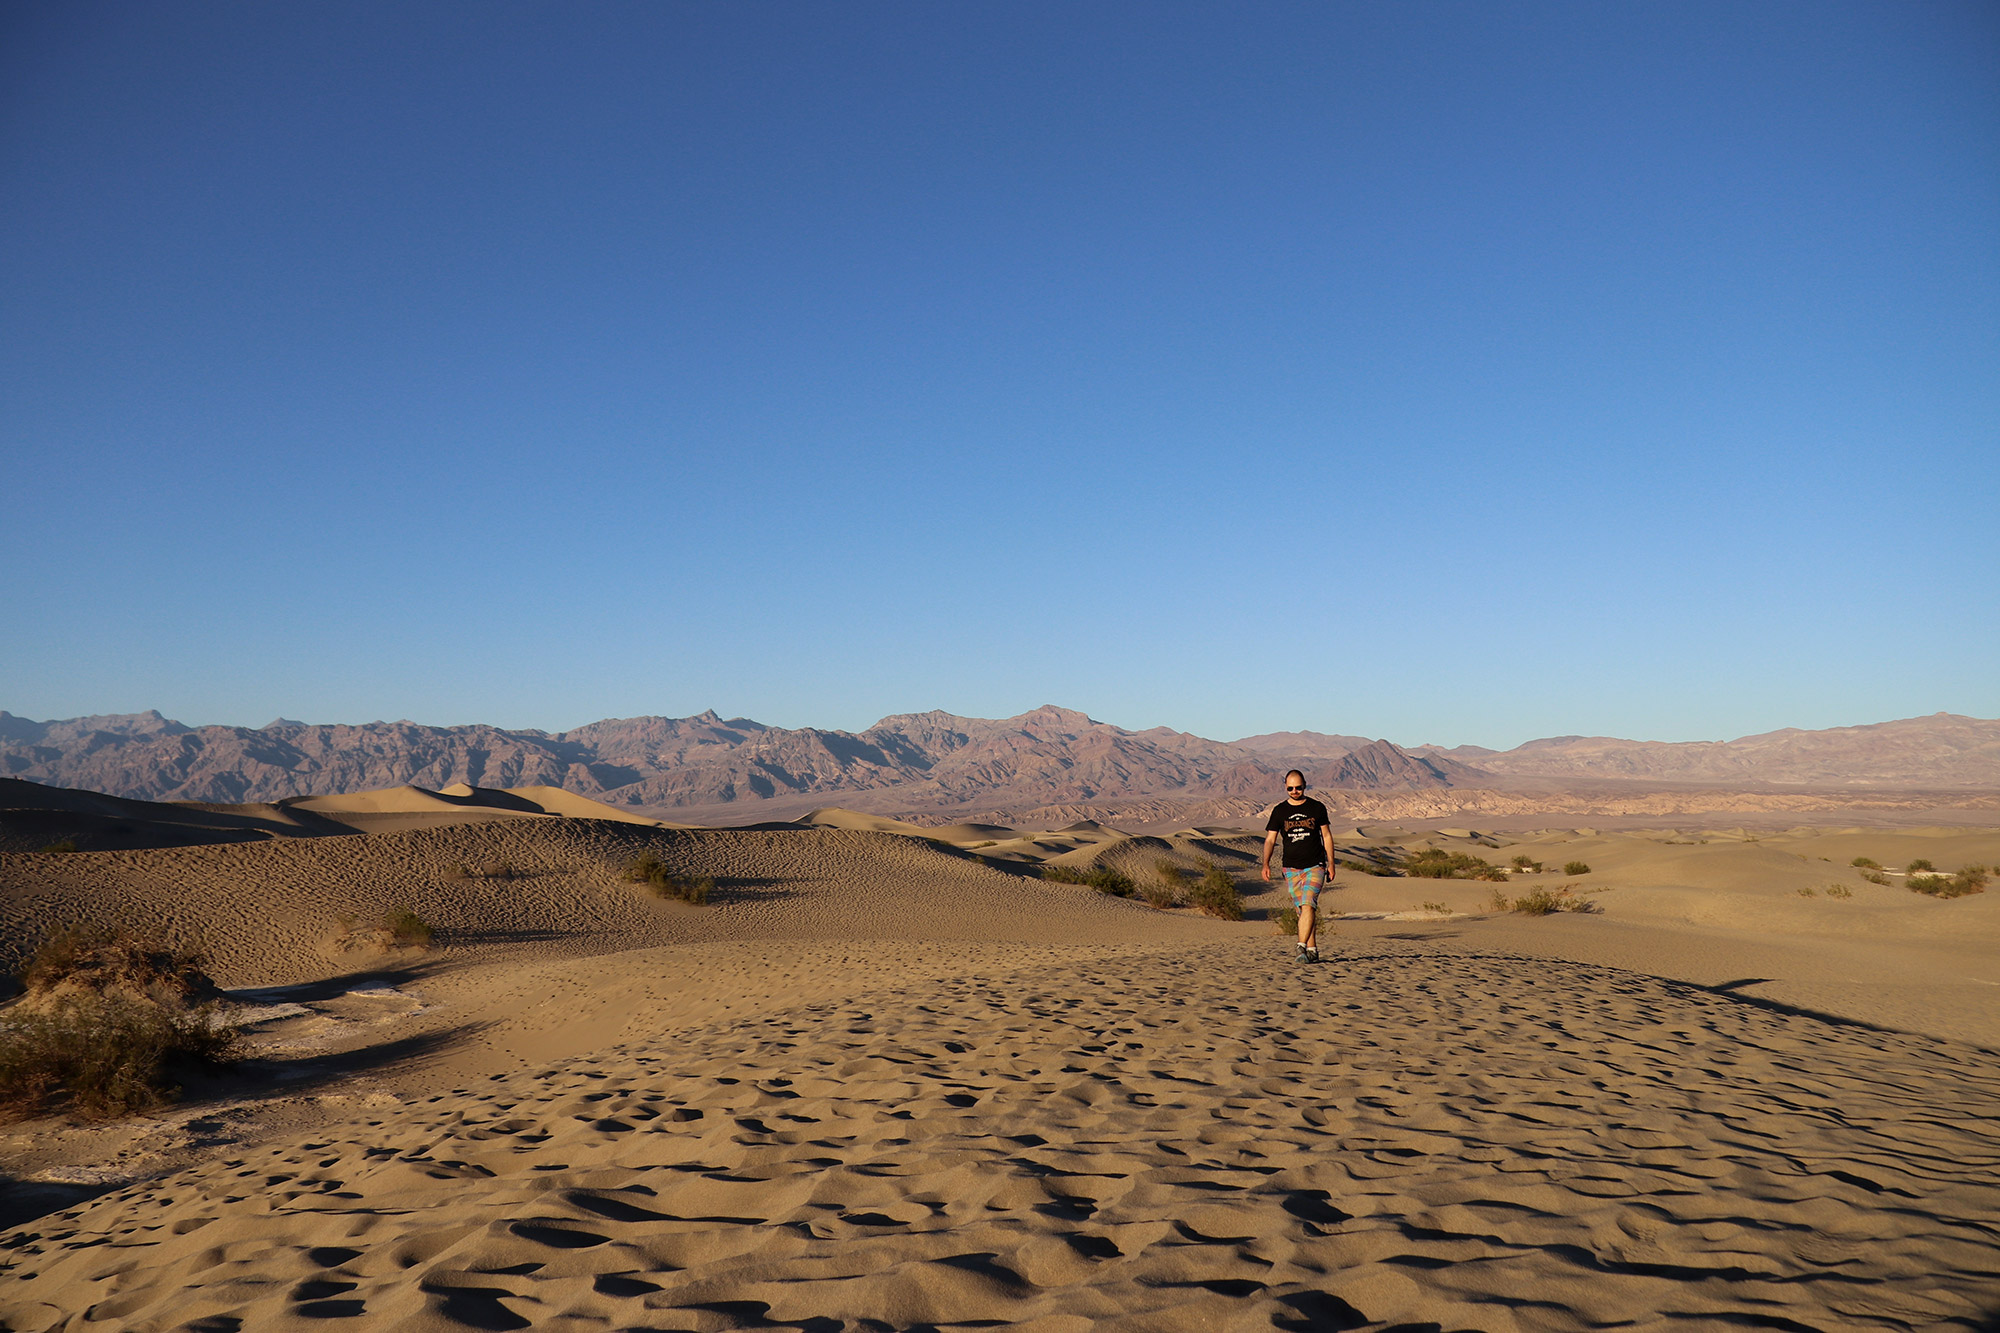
<point x="1304" y="883"/>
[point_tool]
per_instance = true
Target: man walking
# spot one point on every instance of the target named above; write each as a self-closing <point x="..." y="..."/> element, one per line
<point x="1301" y="823"/>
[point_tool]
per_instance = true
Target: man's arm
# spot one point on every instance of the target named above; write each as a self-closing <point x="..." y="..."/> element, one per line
<point x="1270" y="844"/>
<point x="1326" y="836"/>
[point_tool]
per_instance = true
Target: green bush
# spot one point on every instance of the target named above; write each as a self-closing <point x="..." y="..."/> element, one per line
<point x="1865" y="863"/>
<point x="1216" y="895"/>
<point x="407" y="930"/>
<point x="1368" y="868"/>
<point x="1575" y="868"/>
<point x="1102" y="878"/>
<point x="1436" y="863"/>
<point x="1970" y="880"/>
<point x="651" y="871"/>
<point x="66" y="845"/>
<point x="1287" y="919"/>
<point x="1166" y="887"/>
<point x="1527" y="864"/>
<point x="1547" y="901"/>
<point x="1874" y="877"/>
<point x="1114" y="882"/>
<point x="1919" y="864"/>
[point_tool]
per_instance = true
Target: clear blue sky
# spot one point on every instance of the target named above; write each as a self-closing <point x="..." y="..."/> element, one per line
<point x="1445" y="372"/>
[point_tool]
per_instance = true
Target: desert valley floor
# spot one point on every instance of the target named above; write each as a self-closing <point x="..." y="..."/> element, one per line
<point x="889" y="1078"/>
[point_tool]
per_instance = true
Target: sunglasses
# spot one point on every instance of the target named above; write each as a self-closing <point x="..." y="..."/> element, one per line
<point x="1290" y="787"/>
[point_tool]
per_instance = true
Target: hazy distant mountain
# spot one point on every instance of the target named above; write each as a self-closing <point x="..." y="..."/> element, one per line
<point x="1943" y="750"/>
<point x="1047" y="756"/>
<point x="1051" y="756"/>
<point x="1296" y="746"/>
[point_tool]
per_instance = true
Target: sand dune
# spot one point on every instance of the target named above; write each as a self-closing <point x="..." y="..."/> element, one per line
<point x="33" y="816"/>
<point x="1193" y="1139"/>
<point x="887" y="1083"/>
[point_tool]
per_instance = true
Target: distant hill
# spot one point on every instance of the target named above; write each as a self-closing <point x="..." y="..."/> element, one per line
<point x="1943" y="750"/>
<point x="930" y="760"/>
<point x="1051" y="757"/>
<point x="1296" y="746"/>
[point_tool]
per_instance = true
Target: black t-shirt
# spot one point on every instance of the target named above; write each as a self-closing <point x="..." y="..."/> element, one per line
<point x="1297" y="827"/>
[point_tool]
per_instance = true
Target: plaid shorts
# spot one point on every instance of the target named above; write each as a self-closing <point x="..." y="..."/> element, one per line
<point x="1302" y="884"/>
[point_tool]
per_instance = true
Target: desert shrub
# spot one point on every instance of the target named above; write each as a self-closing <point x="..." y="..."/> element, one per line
<point x="1064" y="875"/>
<point x="1970" y="880"/>
<point x="407" y="930"/>
<point x="1546" y="901"/>
<point x="1114" y="882"/>
<point x="1839" y="891"/>
<point x="66" y="845"/>
<point x="1439" y="908"/>
<point x="1527" y="865"/>
<point x="1575" y="868"/>
<point x="1919" y="864"/>
<point x="1368" y="868"/>
<point x="88" y="957"/>
<point x="1287" y="919"/>
<point x="1808" y="891"/>
<point x="1166" y="887"/>
<point x="1865" y="863"/>
<point x="101" y="1056"/>
<point x="1498" y="901"/>
<point x="1436" y="863"/>
<point x="1217" y="896"/>
<point x="651" y="871"/>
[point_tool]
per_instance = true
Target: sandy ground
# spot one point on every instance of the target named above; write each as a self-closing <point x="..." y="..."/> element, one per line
<point x="890" y="1082"/>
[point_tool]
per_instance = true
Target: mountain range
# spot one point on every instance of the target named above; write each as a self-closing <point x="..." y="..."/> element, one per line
<point x="935" y="760"/>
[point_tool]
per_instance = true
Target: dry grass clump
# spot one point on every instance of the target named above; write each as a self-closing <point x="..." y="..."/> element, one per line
<point x="1875" y="877"/>
<point x="1919" y="864"/>
<point x="1865" y="863"/>
<point x="102" y="1056"/>
<point x="399" y="928"/>
<point x="1287" y="919"/>
<point x="1216" y="894"/>
<point x="1839" y="891"/>
<point x="1546" y="901"/>
<point x="1527" y="865"/>
<point x="651" y="871"/>
<point x="1575" y="868"/>
<point x="105" y="1026"/>
<point x="1368" y="868"/>
<point x="87" y="958"/>
<point x="1970" y="880"/>
<point x="1436" y="863"/>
